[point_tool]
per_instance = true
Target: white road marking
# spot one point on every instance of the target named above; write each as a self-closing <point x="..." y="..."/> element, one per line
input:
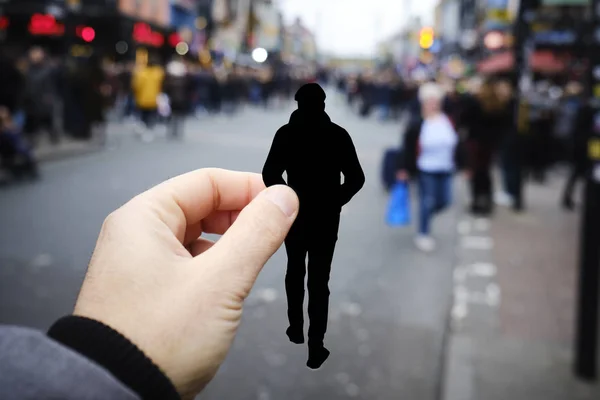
<point x="483" y="269"/>
<point x="464" y="227"/>
<point x="482" y="224"/>
<point x="493" y="294"/>
<point x="477" y="243"/>
<point x="459" y="311"/>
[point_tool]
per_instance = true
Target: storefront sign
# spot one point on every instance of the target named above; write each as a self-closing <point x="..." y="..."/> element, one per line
<point x="555" y="37"/>
<point x="143" y="33"/>
<point x="45" y="25"/>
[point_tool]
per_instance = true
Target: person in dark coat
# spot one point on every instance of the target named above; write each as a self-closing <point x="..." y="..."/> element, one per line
<point x="314" y="152"/>
<point x="177" y="84"/>
<point x="12" y="83"/>
<point x="579" y="160"/>
<point x="40" y="95"/>
<point x="485" y="121"/>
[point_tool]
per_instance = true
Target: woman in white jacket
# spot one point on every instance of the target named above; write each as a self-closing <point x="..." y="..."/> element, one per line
<point x="429" y="154"/>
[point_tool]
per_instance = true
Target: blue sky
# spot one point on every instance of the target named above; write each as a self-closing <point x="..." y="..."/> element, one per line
<point x="353" y="27"/>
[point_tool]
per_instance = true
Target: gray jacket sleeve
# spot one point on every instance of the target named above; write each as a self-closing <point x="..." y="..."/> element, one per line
<point x="33" y="366"/>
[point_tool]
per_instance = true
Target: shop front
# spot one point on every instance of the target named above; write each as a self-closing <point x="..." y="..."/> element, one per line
<point x="143" y="29"/>
<point x="110" y="31"/>
<point x="33" y="23"/>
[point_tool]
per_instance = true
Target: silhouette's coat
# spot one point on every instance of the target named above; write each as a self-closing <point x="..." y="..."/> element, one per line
<point x="314" y="153"/>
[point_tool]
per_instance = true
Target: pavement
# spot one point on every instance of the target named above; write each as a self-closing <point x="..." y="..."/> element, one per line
<point x="513" y="318"/>
<point x="389" y="303"/>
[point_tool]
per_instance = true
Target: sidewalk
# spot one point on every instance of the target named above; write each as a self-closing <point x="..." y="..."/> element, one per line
<point x="69" y="147"/>
<point x="513" y="318"/>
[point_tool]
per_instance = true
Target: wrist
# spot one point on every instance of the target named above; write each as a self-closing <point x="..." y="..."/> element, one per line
<point x="114" y="352"/>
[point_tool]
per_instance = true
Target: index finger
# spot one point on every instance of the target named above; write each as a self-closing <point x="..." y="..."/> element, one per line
<point x="187" y="199"/>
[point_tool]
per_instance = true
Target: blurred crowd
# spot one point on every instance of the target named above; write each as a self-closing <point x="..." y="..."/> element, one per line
<point x="550" y="132"/>
<point x="45" y="99"/>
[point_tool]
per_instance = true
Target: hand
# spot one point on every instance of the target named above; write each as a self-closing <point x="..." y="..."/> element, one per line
<point x="468" y="174"/>
<point x="402" y="175"/>
<point x="178" y="296"/>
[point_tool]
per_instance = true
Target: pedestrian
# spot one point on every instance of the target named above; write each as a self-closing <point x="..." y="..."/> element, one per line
<point x="177" y="88"/>
<point x="486" y="124"/>
<point x="159" y="306"/>
<point x="40" y="97"/>
<point x="16" y="155"/>
<point x="428" y="154"/>
<point x="571" y="132"/>
<point x="578" y="152"/>
<point x="313" y="152"/>
<point x="147" y="85"/>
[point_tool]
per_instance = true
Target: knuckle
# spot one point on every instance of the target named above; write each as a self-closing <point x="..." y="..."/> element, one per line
<point x="112" y="221"/>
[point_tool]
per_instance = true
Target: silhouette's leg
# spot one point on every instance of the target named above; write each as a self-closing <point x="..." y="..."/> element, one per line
<point x="296" y="249"/>
<point x="320" y="256"/>
<point x="319" y="268"/>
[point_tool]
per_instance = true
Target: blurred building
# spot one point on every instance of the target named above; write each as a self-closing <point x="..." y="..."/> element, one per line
<point x="189" y="26"/>
<point x="402" y="48"/>
<point x="299" y="44"/>
<point x="558" y="33"/>
<point x="447" y="26"/>
<point x="231" y="21"/>
<point x="267" y="29"/>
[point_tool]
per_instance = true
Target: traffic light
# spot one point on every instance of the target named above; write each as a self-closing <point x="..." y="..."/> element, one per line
<point x="86" y="33"/>
<point x="426" y="38"/>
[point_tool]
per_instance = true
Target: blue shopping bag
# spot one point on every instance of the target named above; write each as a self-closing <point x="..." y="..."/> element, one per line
<point x="398" y="212"/>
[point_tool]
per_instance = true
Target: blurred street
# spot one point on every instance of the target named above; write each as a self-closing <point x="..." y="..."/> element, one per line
<point x="389" y="302"/>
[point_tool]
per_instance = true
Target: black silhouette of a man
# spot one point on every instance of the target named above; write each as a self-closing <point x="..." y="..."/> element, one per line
<point x="314" y="153"/>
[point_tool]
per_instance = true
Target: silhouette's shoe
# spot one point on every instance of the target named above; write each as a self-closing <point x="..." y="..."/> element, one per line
<point x="295" y="335"/>
<point x="316" y="357"/>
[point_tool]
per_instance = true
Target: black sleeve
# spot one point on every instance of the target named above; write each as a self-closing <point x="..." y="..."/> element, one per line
<point x="111" y="350"/>
<point x="354" y="177"/>
<point x="275" y="164"/>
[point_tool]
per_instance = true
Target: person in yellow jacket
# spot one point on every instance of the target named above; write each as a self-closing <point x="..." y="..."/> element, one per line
<point x="147" y="85"/>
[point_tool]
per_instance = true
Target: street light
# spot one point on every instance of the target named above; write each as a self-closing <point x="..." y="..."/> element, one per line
<point x="182" y="48"/>
<point x="260" y="55"/>
<point x="426" y="38"/>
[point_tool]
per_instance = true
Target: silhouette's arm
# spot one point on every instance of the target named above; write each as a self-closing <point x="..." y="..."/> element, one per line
<point x="354" y="177"/>
<point x="275" y="165"/>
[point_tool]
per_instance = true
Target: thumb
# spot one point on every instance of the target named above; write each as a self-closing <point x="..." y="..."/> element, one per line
<point x="255" y="236"/>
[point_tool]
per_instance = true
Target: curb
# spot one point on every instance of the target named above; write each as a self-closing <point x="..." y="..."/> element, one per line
<point x="47" y="155"/>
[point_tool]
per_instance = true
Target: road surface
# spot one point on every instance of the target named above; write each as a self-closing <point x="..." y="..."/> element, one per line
<point x="389" y="303"/>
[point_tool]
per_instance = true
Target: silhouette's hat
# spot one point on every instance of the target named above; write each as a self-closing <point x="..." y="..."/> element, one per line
<point x="310" y="93"/>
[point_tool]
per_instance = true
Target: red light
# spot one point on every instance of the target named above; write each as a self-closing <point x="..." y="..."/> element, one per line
<point x="41" y="24"/>
<point x="174" y="38"/>
<point x="4" y="22"/>
<point x="88" y="34"/>
<point x="142" y="33"/>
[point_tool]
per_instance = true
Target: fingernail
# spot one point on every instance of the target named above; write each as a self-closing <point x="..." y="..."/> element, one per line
<point x="284" y="198"/>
